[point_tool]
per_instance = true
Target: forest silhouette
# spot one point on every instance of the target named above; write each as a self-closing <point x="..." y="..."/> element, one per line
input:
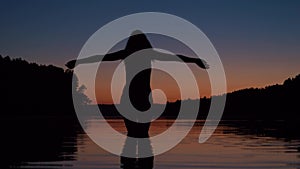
<point x="45" y="90"/>
<point x="274" y="102"/>
<point x="32" y="89"/>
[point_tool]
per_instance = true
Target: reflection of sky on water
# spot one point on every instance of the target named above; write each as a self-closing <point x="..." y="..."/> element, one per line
<point x="227" y="148"/>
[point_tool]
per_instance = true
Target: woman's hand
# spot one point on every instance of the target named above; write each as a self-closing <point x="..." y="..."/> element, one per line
<point x="202" y="63"/>
<point x="71" y="64"/>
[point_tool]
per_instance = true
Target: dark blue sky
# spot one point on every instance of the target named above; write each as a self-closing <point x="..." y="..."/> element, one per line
<point x="247" y="34"/>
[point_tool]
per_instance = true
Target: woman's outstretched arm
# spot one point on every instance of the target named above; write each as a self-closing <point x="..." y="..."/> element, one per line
<point x="96" y="58"/>
<point x="170" y="57"/>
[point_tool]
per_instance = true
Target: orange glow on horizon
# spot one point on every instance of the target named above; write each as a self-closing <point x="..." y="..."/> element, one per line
<point x="159" y="80"/>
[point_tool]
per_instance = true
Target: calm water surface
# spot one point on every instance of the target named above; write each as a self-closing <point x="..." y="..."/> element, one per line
<point x="227" y="148"/>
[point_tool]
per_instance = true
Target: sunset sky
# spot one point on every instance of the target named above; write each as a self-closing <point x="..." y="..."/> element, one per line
<point x="257" y="41"/>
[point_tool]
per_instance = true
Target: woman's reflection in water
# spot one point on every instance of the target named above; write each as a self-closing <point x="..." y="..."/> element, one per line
<point x="133" y="148"/>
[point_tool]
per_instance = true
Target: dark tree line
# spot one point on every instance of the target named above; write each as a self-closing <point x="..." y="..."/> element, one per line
<point x="32" y="89"/>
<point x="275" y="102"/>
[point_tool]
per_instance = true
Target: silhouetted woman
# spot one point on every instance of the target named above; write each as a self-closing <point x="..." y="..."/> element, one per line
<point x="139" y="87"/>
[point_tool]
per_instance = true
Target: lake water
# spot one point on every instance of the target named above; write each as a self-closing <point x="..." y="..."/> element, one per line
<point x="229" y="147"/>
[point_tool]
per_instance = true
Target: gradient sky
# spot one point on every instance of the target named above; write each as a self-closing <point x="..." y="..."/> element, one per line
<point x="258" y="41"/>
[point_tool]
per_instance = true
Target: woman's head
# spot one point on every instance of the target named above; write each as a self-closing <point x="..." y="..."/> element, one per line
<point x="137" y="41"/>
